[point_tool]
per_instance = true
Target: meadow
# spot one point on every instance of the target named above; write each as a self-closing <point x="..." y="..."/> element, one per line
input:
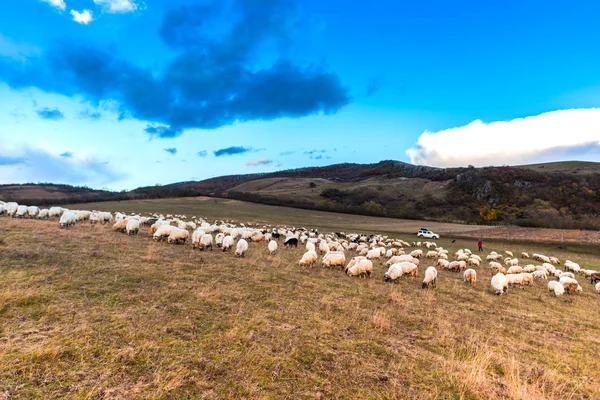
<point x="88" y="313"/>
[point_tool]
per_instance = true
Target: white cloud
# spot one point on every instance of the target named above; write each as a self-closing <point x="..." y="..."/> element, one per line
<point x="117" y="6"/>
<point x="262" y="161"/>
<point x="60" y="4"/>
<point x="551" y="136"/>
<point x="84" y="17"/>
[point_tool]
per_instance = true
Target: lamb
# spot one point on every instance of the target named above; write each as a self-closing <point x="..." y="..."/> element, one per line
<point x="362" y="268"/>
<point x="430" y="278"/>
<point x="242" y="248"/>
<point x="499" y="284"/>
<point x="272" y="246"/>
<point x="309" y="258"/>
<point x="470" y="276"/>
<point x="556" y="288"/>
<point x="397" y="270"/>
<point x="228" y="242"/>
<point x="205" y="242"/>
<point x="132" y="227"/>
<point x="33" y="211"/>
<point x="334" y="259"/>
<point x="524" y="255"/>
<point x="67" y="219"/>
<point x="178" y="236"/>
<point x="163" y="232"/>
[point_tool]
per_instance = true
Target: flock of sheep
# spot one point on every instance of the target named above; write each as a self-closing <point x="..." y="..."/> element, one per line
<point x="403" y="258"/>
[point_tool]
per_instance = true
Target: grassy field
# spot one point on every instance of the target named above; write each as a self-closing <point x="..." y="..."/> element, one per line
<point x="88" y="313"/>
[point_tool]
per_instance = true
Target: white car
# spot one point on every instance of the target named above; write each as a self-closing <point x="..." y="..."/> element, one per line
<point x="427" y="234"/>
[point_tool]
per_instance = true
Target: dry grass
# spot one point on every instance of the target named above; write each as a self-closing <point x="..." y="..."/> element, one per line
<point x="90" y="313"/>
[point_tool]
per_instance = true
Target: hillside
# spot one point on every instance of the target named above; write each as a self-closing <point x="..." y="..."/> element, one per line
<point x="558" y="195"/>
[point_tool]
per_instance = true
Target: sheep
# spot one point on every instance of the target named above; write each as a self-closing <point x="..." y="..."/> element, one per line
<point x="163" y="232"/>
<point x="272" y="246"/>
<point x="334" y="259"/>
<point x="67" y="219"/>
<point x="556" y="288"/>
<point x="219" y="239"/>
<point x="257" y="237"/>
<point x="598" y="287"/>
<point x="308" y="258"/>
<point x="571" y="266"/>
<point x="353" y="261"/>
<point x="594" y="277"/>
<point x="554" y="260"/>
<point x="499" y="284"/>
<point x="430" y="278"/>
<point x="509" y="253"/>
<point x="33" y="211"/>
<point x="443" y="263"/>
<point x="196" y="235"/>
<point x="11" y="208"/>
<point x="362" y="268"/>
<point x="83" y="215"/>
<point x="527" y="278"/>
<point x="43" y="213"/>
<point x="290" y="242"/>
<point x="569" y="284"/>
<point x="432" y="254"/>
<point x="228" y="242"/>
<point x="205" y="242"/>
<point x="473" y="262"/>
<point x="529" y="268"/>
<point x="132" y="227"/>
<point x="515" y="270"/>
<point x="540" y="275"/>
<point x="511" y="262"/>
<point x="395" y="271"/>
<point x="374" y="254"/>
<point x="457" y="266"/>
<point x="21" y="211"/>
<point x="402" y="258"/>
<point x="241" y="248"/>
<point x="496" y="267"/>
<point x="178" y="236"/>
<point x="470" y="276"/>
<point x="120" y="225"/>
<point x="515" y="279"/>
<point x="524" y="255"/>
<point x="310" y="246"/>
<point x="416" y="253"/>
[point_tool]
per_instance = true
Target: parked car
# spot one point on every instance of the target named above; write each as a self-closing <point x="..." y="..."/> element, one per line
<point x="427" y="234"/>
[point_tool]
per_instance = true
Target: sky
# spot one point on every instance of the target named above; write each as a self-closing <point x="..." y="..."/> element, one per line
<point x="120" y="94"/>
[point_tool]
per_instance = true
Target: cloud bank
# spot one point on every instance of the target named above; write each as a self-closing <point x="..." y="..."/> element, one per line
<point x="216" y="77"/>
<point x="84" y="17"/>
<point x="551" y="136"/>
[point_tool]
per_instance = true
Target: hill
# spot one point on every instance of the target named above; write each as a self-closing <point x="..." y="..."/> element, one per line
<point x="558" y="195"/>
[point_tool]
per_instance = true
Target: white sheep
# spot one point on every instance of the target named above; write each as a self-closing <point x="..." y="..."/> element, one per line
<point x="571" y="285"/>
<point x="395" y="271"/>
<point x="540" y="275"/>
<point x="334" y="259"/>
<point x="132" y="227"/>
<point x="361" y="268"/>
<point x="206" y="242"/>
<point x="514" y="270"/>
<point x="178" y="236"/>
<point x="67" y="219"/>
<point x="228" y="242"/>
<point x="353" y="261"/>
<point x="241" y="248"/>
<point x="43" y="213"/>
<point x="430" y="278"/>
<point x="524" y="255"/>
<point x="499" y="284"/>
<point x="162" y="232"/>
<point x="470" y="276"/>
<point x="310" y="246"/>
<point x="402" y="258"/>
<point x="219" y="239"/>
<point x="309" y="258"/>
<point x="556" y="287"/>
<point x="21" y="211"/>
<point x="272" y="247"/>
<point x="598" y="287"/>
<point x="416" y="253"/>
<point x="33" y="211"/>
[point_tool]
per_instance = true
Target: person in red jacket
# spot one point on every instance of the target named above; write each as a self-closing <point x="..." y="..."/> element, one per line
<point x="480" y="245"/>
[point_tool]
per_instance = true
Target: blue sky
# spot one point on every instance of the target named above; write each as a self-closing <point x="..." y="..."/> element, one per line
<point x="125" y="93"/>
